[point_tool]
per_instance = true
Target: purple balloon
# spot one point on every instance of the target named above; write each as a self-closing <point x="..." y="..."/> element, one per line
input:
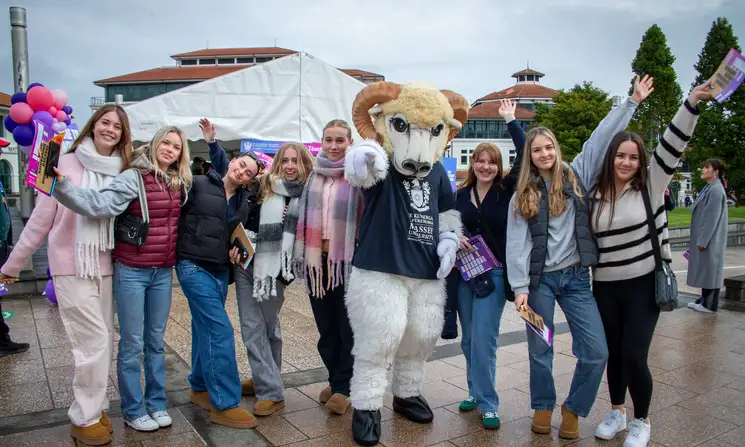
<point x="44" y="117"/>
<point x="10" y="124"/>
<point x="18" y="97"/>
<point x="68" y="121"/>
<point x="34" y="85"/>
<point x="49" y="292"/>
<point x="24" y="134"/>
<point x="67" y="109"/>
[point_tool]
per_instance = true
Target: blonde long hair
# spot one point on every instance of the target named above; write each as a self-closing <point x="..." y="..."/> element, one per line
<point x="179" y="173"/>
<point x="496" y="156"/>
<point x="124" y="146"/>
<point x="304" y="168"/>
<point x="528" y="194"/>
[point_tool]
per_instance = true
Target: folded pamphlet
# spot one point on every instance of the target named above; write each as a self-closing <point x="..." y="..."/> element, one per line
<point x="535" y="322"/>
<point x="246" y="248"/>
<point x="479" y="261"/>
<point x="44" y="158"/>
<point x="728" y="77"/>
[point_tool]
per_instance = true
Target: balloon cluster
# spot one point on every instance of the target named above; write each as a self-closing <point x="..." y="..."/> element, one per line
<point x="38" y="104"/>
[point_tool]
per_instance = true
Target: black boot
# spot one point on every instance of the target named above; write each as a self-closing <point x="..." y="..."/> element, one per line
<point x="416" y="409"/>
<point x="8" y="347"/>
<point x="366" y="427"/>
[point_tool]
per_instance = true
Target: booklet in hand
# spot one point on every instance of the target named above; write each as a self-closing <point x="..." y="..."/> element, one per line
<point x="44" y="158"/>
<point x="479" y="261"/>
<point x="240" y="239"/>
<point x="536" y="323"/>
<point x="728" y="77"/>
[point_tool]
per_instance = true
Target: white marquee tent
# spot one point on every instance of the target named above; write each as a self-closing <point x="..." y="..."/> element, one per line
<point x="287" y="99"/>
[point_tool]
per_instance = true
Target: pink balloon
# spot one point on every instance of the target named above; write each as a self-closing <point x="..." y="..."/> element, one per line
<point x="60" y="98"/>
<point x="53" y="111"/>
<point x="61" y="116"/>
<point x="39" y="98"/>
<point x="21" y="113"/>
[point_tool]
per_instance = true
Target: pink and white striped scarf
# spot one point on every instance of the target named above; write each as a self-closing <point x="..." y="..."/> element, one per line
<point x="345" y="204"/>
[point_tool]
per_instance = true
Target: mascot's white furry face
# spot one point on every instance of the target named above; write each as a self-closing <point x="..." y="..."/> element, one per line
<point x="409" y="236"/>
<point x="413" y="122"/>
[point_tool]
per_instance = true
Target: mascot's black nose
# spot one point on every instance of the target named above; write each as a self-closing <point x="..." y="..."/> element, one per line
<point x="416" y="166"/>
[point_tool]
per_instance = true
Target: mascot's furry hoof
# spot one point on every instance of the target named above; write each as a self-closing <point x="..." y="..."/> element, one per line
<point x="366" y="427"/>
<point x="416" y="409"/>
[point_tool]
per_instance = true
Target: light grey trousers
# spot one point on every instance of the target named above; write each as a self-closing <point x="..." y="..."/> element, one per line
<point x="261" y="335"/>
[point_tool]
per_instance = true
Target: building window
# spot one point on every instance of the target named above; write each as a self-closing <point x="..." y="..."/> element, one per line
<point x="245" y="60"/>
<point x="464" y="159"/>
<point x="140" y="92"/>
<point x="263" y="59"/>
<point x="5" y="175"/>
<point x="206" y="61"/>
<point x="189" y="62"/>
<point x="226" y="60"/>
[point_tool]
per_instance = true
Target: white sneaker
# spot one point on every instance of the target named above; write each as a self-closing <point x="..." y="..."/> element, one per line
<point x="692" y="305"/>
<point x="613" y="423"/>
<point x="162" y="418"/>
<point x="639" y="434"/>
<point x="701" y="308"/>
<point x="143" y="423"/>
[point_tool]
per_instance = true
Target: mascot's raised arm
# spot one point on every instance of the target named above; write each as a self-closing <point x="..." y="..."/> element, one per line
<point x="409" y="236"/>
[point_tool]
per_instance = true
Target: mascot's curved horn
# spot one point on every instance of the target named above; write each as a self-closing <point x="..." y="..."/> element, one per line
<point x="460" y="110"/>
<point x="376" y="93"/>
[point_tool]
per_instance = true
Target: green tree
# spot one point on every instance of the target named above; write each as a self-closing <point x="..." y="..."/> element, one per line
<point x="720" y="132"/>
<point x="574" y="116"/>
<point x="655" y="59"/>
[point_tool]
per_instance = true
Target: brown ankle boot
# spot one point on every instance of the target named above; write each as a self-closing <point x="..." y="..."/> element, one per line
<point x="569" y="424"/>
<point x="268" y="407"/>
<point x="541" y="422"/>
<point x="325" y="395"/>
<point x="247" y="387"/>
<point x="338" y="403"/>
<point x="233" y="418"/>
<point x="106" y="422"/>
<point x="95" y="434"/>
<point x="200" y="398"/>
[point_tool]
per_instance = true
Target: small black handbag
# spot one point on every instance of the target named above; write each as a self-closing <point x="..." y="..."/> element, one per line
<point x="130" y="228"/>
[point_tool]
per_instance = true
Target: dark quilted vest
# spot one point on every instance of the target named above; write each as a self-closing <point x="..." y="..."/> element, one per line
<point x="164" y="206"/>
<point x="588" y="249"/>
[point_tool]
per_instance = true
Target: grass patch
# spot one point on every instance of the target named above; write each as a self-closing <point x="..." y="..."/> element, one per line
<point x="681" y="217"/>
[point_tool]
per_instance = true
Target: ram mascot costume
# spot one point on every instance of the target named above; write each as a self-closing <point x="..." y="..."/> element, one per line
<point x="409" y="236"/>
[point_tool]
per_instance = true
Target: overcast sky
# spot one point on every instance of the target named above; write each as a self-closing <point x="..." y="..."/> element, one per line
<point x="472" y="46"/>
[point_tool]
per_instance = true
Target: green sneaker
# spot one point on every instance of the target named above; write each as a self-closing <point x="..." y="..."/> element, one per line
<point x="468" y="405"/>
<point x="490" y="420"/>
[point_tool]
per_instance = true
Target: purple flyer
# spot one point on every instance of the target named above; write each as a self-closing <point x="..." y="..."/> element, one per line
<point x="477" y="262"/>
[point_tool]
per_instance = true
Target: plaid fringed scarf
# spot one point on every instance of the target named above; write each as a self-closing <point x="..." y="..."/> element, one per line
<point x="276" y="238"/>
<point x="345" y="207"/>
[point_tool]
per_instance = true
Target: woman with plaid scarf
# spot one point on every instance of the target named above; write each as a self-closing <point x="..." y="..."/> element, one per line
<point x="330" y="210"/>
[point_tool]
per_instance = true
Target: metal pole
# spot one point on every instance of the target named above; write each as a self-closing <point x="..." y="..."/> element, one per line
<point x="19" y="44"/>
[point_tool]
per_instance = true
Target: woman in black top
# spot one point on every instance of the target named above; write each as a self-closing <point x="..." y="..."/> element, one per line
<point x="214" y="207"/>
<point x="483" y="201"/>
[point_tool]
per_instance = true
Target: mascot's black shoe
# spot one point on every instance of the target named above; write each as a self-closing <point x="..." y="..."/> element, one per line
<point x="416" y="409"/>
<point x="366" y="427"/>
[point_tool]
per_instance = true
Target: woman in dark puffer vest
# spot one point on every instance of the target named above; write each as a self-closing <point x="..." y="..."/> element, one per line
<point x="142" y="274"/>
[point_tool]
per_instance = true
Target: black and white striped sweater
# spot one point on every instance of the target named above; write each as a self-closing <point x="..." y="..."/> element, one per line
<point x="624" y="245"/>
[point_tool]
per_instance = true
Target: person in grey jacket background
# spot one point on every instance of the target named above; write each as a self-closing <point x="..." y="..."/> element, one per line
<point x="708" y="242"/>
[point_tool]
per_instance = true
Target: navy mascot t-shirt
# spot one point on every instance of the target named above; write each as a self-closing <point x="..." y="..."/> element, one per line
<point x="399" y="230"/>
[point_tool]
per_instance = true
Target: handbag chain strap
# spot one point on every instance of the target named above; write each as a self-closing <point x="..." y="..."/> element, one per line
<point x="143" y="198"/>
<point x="652" y="229"/>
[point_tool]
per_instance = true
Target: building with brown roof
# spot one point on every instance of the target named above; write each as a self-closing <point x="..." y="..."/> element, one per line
<point x="485" y="125"/>
<point x="193" y="67"/>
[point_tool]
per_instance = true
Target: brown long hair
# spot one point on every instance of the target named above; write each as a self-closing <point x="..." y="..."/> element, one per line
<point x="606" y="183"/>
<point x="124" y="146"/>
<point x="304" y="168"/>
<point x="528" y="194"/>
<point x="496" y="156"/>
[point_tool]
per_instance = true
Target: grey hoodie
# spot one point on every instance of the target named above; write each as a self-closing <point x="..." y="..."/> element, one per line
<point x="110" y="201"/>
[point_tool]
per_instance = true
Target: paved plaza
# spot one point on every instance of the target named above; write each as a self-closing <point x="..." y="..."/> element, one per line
<point x="697" y="360"/>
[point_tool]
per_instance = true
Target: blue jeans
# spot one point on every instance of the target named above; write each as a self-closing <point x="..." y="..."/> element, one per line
<point x="213" y="364"/>
<point x="479" y="320"/>
<point x="571" y="289"/>
<point x="143" y="300"/>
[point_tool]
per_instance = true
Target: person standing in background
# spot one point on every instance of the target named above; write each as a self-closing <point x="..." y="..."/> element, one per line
<point x="7" y="346"/>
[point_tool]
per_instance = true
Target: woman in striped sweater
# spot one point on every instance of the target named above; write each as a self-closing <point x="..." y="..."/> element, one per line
<point x="624" y="276"/>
